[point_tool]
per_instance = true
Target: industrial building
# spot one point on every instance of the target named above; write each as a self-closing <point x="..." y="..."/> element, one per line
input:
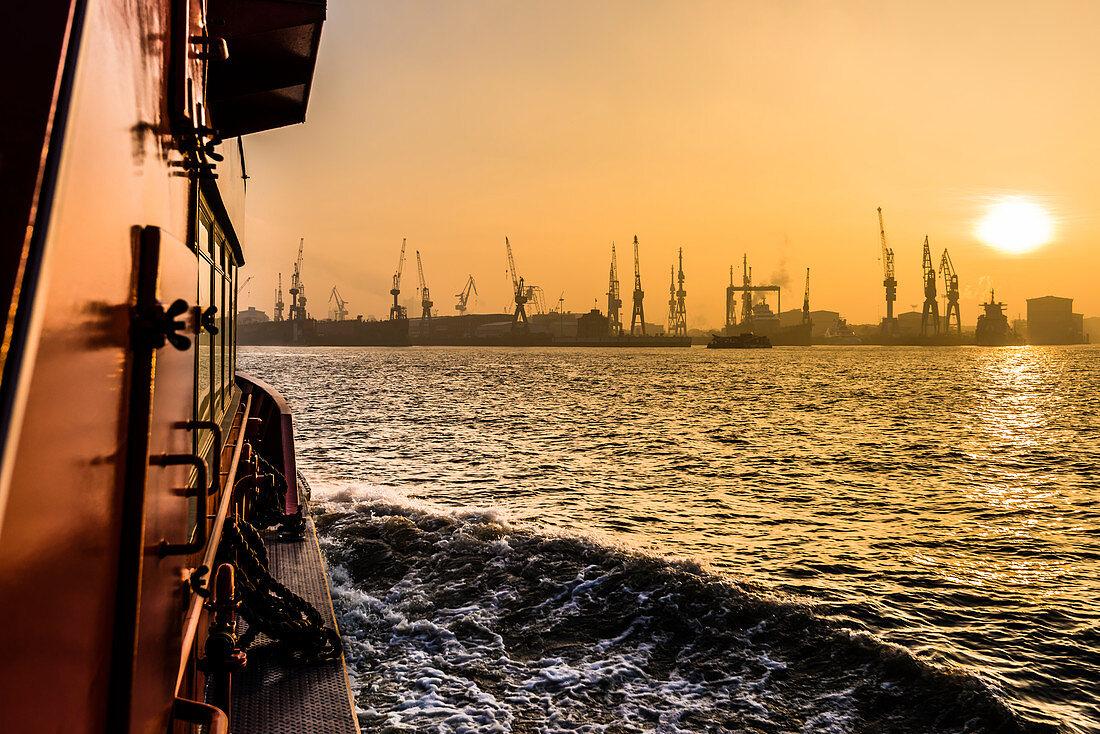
<point x="1050" y="320"/>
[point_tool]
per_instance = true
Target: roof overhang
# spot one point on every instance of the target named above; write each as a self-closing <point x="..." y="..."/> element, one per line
<point x="266" y="81"/>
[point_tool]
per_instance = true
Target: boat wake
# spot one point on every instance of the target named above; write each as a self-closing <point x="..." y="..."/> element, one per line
<point x="459" y="621"/>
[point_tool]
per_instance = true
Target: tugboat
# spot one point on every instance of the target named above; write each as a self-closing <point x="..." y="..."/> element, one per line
<point x="993" y="328"/>
<point x="158" y="566"/>
<point x="740" y="341"/>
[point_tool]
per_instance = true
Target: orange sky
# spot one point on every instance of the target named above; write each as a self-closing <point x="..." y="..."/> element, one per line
<point x="772" y="128"/>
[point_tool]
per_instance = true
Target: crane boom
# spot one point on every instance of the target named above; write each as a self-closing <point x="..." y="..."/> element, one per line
<point x="519" y="318"/>
<point x="464" y="296"/>
<point x="397" y="311"/>
<point x="951" y="291"/>
<point x="888" y="279"/>
<point x="425" y="298"/>
<point x="614" y="301"/>
<point x="931" y="312"/>
<point x="806" y="300"/>
<point x="638" y="315"/>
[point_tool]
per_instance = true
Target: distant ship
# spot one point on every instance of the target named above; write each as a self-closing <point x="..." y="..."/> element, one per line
<point x="765" y="322"/>
<point x="993" y="327"/>
<point x="740" y="341"/>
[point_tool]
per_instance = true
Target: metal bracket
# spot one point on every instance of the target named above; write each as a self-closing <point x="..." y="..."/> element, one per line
<point x="201" y="491"/>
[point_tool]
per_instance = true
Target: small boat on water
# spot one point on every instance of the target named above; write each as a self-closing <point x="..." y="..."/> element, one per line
<point x="740" y="341"/>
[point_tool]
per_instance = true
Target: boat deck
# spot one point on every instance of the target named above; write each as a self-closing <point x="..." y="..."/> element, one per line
<point x="272" y="698"/>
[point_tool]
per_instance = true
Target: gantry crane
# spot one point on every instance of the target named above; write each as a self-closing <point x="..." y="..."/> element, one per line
<point x="638" y="316"/>
<point x="341" y="311"/>
<point x="806" y="301"/>
<point x="951" y="292"/>
<point x="614" y="302"/>
<point x="678" y="322"/>
<point x="931" y="311"/>
<point x="889" y="325"/>
<point x="297" y="289"/>
<point x="464" y="296"/>
<point x="425" y="298"/>
<point x="519" y="293"/>
<point x="397" y="311"/>
<point x="279" y="305"/>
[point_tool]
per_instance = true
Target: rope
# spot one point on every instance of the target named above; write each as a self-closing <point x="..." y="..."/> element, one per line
<point x="270" y="607"/>
<point x="267" y="503"/>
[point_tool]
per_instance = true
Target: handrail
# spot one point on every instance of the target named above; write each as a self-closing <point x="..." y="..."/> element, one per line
<point x="194" y="712"/>
<point x="202" y="489"/>
<point x="191" y="623"/>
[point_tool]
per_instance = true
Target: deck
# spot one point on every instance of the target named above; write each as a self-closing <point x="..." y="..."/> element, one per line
<point x="270" y="698"/>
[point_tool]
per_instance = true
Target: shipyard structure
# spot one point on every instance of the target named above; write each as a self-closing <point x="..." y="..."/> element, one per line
<point x="530" y="321"/>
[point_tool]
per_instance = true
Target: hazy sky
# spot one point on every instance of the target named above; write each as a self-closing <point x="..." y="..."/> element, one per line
<point x="771" y="128"/>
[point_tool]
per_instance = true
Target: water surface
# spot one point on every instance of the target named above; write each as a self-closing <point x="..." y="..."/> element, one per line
<point x="943" y="500"/>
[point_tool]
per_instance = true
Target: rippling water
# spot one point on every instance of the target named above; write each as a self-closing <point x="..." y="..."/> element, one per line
<point x="943" y="500"/>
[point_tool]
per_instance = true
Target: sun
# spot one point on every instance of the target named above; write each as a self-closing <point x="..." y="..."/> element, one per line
<point x="1015" y="225"/>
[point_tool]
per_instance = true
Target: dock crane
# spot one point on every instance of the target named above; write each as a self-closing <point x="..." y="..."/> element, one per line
<point x="242" y="285"/>
<point x="397" y="311"/>
<point x="425" y="298"/>
<point x="806" y="301"/>
<point x="951" y="290"/>
<point x="678" y="323"/>
<point x="519" y="293"/>
<point x="889" y="324"/>
<point x="671" y="298"/>
<point x="279" y="305"/>
<point x="614" y="302"/>
<point x="931" y="311"/>
<point x="638" y="315"/>
<point x="297" y="289"/>
<point x="341" y="311"/>
<point x="731" y="306"/>
<point x="464" y="296"/>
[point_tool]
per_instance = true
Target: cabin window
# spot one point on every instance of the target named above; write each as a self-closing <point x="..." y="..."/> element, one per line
<point x="214" y="355"/>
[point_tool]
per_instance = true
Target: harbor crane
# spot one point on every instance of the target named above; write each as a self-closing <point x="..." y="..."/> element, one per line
<point x="806" y="301"/>
<point x="397" y="311"/>
<point x="519" y="293"/>
<point x="671" y="297"/>
<point x="341" y="311"/>
<point x="889" y="324"/>
<point x="731" y="305"/>
<point x="464" y="296"/>
<point x="930" y="314"/>
<point x="425" y="298"/>
<point x="951" y="292"/>
<point x="677" y="325"/>
<point x="297" y="289"/>
<point x="242" y="285"/>
<point x="279" y="305"/>
<point x="638" y="316"/>
<point x="614" y="302"/>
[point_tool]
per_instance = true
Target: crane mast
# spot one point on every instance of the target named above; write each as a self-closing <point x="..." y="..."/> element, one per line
<point x="297" y="289"/>
<point x="806" y="300"/>
<point x="671" y="297"/>
<point x="889" y="325"/>
<point x="397" y="311"/>
<point x="519" y="318"/>
<point x="678" y="301"/>
<point x="930" y="314"/>
<point x="464" y="296"/>
<point x="279" y="305"/>
<point x="614" y="301"/>
<point x="638" y="316"/>
<point x="425" y="298"/>
<point x="731" y="306"/>
<point x="746" y="294"/>
<point x="951" y="291"/>
<point x="341" y="311"/>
